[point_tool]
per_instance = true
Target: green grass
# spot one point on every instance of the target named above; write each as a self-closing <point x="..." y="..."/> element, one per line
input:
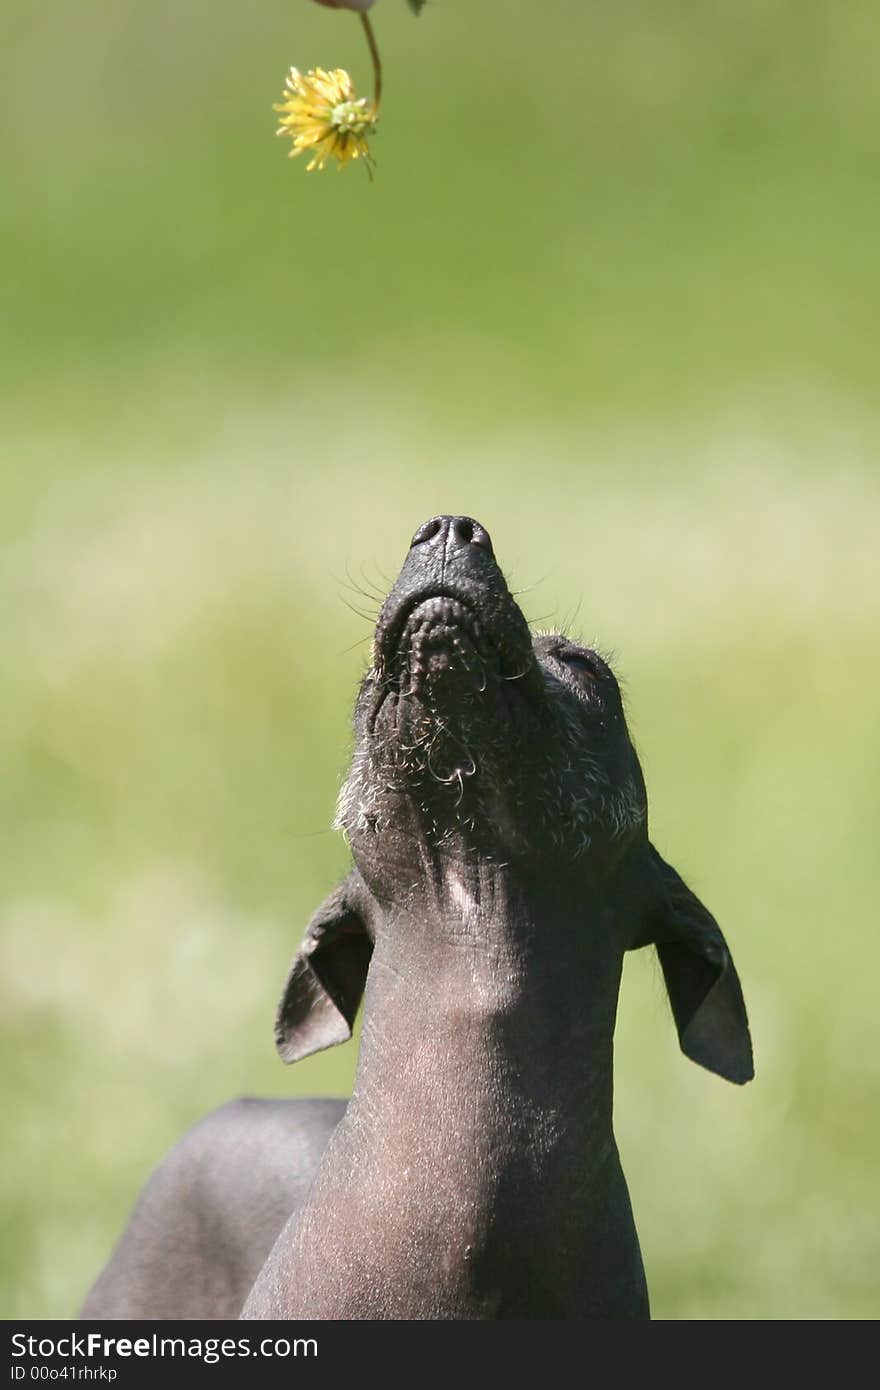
<point x="614" y="292"/>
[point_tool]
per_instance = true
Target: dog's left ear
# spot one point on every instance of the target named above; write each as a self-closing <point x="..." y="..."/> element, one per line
<point x="701" y="980"/>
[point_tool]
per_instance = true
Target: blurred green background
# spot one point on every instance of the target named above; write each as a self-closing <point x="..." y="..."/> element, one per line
<point x="615" y="291"/>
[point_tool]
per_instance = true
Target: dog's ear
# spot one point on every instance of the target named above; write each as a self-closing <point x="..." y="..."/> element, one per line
<point x="327" y="977"/>
<point x="701" y="980"/>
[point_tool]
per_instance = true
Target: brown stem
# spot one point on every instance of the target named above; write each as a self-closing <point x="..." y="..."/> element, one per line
<point x="377" y="61"/>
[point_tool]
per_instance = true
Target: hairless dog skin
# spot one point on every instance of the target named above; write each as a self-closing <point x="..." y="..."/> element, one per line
<point x="497" y="819"/>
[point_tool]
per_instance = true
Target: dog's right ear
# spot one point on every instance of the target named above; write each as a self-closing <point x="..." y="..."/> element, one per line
<point x="327" y="977"/>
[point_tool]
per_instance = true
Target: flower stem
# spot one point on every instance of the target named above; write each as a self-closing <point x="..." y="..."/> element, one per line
<point x="377" y="61"/>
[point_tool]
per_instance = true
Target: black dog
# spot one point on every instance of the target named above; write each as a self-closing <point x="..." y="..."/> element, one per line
<point x="497" y="818"/>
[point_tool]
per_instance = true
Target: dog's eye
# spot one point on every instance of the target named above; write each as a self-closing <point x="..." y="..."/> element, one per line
<point x="577" y="661"/>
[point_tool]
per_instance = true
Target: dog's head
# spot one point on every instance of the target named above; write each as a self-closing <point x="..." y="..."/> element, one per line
<point x="478" y="741"/>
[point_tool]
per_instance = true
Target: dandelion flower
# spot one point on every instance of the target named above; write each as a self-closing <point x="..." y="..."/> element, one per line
<point x="322" y="116"/>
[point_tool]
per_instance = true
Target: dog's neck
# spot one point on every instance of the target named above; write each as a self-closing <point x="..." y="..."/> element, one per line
<point x="475" y="1173"/>
<point x="510" y="976"/>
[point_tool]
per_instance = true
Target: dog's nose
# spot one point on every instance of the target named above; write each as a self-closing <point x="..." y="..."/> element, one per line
<point x="452" y="533"/>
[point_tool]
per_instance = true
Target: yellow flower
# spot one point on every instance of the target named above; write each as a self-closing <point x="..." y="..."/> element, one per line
<point x="322" y="115"/>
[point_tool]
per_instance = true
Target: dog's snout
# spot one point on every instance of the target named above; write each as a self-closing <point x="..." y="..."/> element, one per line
<point x="452" y="534"/>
